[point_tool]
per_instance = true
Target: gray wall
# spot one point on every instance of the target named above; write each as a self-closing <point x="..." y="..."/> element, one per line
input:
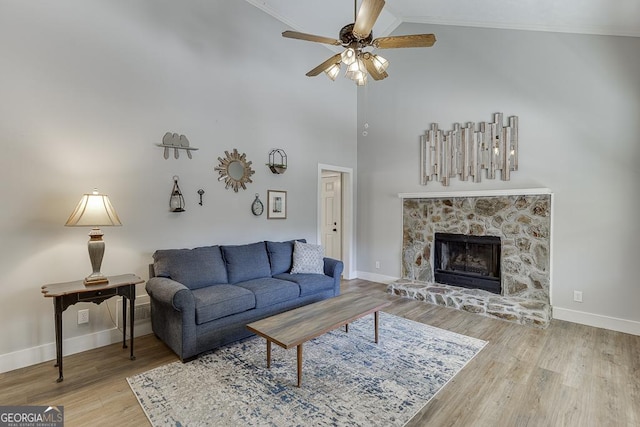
<point x="578" y="101"/>
<point x="88" y="89"/>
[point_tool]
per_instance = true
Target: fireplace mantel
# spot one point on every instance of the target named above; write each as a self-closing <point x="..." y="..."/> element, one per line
<point x="476" y="193"/>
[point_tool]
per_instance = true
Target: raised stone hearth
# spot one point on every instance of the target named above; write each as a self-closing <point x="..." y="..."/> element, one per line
<point x="520" y="310"/>
<point x="522" y="220"/>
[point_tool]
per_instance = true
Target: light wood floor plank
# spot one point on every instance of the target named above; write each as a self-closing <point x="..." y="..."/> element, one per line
<point x="567" y="375"/>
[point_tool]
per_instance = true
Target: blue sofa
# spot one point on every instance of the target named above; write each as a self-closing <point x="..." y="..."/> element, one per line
<point x="202" y="298"/>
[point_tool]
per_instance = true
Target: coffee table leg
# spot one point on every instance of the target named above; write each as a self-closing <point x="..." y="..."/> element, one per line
<point x="375" y="320"/>
<point x="299" y="365"/>
<point x="346" y="327"/>
<point x="268" y="354"/>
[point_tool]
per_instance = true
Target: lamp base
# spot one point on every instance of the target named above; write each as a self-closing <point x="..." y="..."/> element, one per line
<point x="96" y="251"/>
<point x="96" y="279"/>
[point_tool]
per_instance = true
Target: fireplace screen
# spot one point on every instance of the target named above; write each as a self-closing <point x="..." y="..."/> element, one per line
<point x="468" y="261"/>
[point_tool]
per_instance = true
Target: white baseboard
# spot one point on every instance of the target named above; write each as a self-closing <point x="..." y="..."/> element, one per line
<point x="373" y="277"/>
<point x="42" y="353"/>
<point x="348" y="275"/>
<point x="612" y="323"/>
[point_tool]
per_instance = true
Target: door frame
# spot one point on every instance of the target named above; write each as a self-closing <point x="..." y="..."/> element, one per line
<point x="348" y="192"/>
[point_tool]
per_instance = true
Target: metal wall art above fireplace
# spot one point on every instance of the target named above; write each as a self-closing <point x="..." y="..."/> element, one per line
<point x="468" y="261"/>
<point x="466" y="152"/>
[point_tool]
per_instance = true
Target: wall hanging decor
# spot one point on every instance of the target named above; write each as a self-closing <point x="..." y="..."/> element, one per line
<point x="257" y="207"/>
<point x="276" y="204"/>
<point x="234" y="170"/>
<point x="465" y="152"/>
<point x="175" y="142"/>
<point x="176" y="201"/>
<point x="277" y="161"/>
<point x="200" y="193"/>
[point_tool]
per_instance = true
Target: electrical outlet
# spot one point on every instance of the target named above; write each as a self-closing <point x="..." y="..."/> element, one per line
<point x="377" y="264"/>
<point x="83" y="316"/>
<point x="577" y="296"/>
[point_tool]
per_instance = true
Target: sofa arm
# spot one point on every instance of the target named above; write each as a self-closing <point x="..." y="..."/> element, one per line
<point x="171" y="293"/>
<point x="333" y="267"/>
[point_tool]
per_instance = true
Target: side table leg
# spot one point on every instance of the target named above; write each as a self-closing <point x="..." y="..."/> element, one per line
<point x="376" y="316"/>
<point x="268" y="354"/>
<point x="124" y="322"/>
<point x="299" y="365"/>
<point x="132" y="313"/>
<point x="57" y="308"/>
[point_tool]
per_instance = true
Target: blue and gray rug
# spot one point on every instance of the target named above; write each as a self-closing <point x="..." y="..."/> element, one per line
<point x="348" y="380"/>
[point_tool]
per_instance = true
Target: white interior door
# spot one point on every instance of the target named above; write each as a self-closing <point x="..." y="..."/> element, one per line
<point x="332" y="215"/>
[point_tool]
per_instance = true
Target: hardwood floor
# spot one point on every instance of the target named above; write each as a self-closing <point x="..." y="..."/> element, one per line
<point x="566" y="375"/>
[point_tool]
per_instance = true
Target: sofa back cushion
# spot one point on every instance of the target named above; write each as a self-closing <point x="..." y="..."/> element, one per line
<point x="281" y="256"/>
<point x="194" y="268"/>
<point x="246" y="262"/>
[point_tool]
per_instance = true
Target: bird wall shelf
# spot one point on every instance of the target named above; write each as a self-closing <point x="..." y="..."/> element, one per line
<point x="175" y="142"/>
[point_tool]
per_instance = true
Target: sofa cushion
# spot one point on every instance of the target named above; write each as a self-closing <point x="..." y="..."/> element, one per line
<point x="309" y="283"/>
<point x="307" y="258"/>
<point x="281" y="256"/>
<point x="214" y="302"/>
<point x="246" y="262"/>
<point x="194" y="268"/>
<point x="269" y="291"/>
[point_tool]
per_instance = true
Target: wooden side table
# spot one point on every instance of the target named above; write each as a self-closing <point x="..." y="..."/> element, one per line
<point x="69" y="293"/>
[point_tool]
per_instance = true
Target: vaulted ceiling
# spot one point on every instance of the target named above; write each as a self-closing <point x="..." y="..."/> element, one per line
<point x="326" y="17"/>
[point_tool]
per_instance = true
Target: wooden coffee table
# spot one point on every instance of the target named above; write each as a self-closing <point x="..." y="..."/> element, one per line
<point x="295" y="327"/>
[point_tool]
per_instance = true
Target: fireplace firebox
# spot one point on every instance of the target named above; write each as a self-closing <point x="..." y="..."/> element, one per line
<point x="468" y="261"/>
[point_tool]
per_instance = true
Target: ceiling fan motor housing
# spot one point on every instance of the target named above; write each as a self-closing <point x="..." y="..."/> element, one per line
<point x="347" y="37"/>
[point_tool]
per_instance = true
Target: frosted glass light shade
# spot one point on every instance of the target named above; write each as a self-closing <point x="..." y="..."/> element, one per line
<point x="380" y="63"/>
<point x="356" y="70"/>
<point x="348" y="56"/>
<point x="333" y="71"/>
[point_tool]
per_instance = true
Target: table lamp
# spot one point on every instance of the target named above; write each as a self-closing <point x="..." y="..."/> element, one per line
<point x="95" y="211"/>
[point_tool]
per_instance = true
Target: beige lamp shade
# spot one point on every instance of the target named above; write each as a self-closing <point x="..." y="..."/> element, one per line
<point x="94" y="210"/>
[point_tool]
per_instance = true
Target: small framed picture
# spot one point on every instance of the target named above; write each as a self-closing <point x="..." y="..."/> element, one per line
<point x="276" y="204"/>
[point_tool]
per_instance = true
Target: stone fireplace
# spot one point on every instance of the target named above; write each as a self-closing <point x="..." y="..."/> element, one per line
<point x="520" y="220"/>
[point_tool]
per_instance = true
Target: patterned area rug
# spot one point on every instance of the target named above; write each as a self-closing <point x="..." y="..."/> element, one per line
<point x="347" y="379"/>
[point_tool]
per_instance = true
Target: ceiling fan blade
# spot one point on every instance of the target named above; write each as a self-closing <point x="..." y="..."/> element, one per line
<point x="310" y="38"/>
<point x="415" y="40"/>
<point x="326" y="64"/>
<point x="367" y="16"/>
<point x="368" y="62"/>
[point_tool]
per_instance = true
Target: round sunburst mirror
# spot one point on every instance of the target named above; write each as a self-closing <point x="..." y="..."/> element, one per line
<point x="235" y="170"/>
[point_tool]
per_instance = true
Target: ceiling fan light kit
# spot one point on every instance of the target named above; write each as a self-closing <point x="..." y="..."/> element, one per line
<point x="355" y="38"/>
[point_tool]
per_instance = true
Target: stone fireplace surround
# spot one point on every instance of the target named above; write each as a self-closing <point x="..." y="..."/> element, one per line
<point x="521" y="218"/>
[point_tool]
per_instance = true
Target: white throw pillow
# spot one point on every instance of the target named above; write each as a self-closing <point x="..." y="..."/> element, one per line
<point x="307" y="258"/>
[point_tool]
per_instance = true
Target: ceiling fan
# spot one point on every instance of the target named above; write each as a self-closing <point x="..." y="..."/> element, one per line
<point x="355" y="38"/>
